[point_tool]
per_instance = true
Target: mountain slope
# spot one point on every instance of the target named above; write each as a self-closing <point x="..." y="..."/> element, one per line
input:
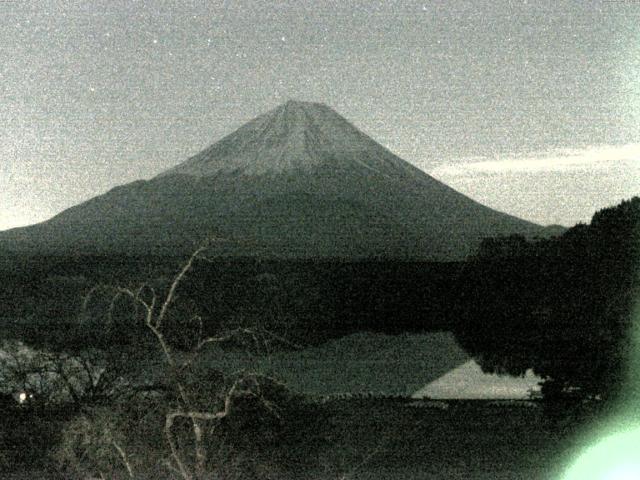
<point x="298" y="181"/>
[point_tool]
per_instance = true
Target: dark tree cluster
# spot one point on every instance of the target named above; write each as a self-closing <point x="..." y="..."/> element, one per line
<point x="41" y="298"/>
<point x="561" y="306"/>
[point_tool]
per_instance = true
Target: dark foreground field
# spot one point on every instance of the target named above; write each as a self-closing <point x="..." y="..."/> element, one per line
<point x="403" y="439"/>
<point x="474" y="440"/>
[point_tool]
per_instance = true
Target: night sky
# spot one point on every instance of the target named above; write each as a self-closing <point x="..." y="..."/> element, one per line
<point x="532" y="108"/>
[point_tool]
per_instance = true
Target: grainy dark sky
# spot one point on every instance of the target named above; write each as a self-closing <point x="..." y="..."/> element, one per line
<point x="530" y="107"/>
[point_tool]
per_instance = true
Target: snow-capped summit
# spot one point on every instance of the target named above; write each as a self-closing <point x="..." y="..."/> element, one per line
<point x="299" y="181"/>
<point x="294" y="137"/>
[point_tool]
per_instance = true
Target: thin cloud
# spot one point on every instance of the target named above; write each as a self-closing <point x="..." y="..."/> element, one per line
<point x="593" y="158"/>
<point x="562" y="186"/>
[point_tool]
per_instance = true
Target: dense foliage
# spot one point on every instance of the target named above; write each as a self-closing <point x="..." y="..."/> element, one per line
<point x="563" y="306"/>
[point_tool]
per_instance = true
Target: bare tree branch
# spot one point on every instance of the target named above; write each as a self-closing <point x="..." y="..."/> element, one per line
<point x="124" y="458"/>
<point x="176" y="282"/>
<point x="188" y="407"/>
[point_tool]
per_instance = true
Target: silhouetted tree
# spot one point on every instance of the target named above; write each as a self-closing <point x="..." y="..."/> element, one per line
<point x="562" y="307"/>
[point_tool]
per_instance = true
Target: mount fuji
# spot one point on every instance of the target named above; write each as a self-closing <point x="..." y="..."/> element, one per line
<point x="299" y="181"/>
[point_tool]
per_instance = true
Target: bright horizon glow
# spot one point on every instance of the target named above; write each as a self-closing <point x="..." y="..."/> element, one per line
<point x="9" y="220"/>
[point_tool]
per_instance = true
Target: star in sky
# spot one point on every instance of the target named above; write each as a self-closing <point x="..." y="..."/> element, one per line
<point x="435" y="89"/>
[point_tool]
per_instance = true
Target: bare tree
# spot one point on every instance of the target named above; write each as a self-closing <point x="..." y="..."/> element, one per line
<point x="186" y="463"/>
